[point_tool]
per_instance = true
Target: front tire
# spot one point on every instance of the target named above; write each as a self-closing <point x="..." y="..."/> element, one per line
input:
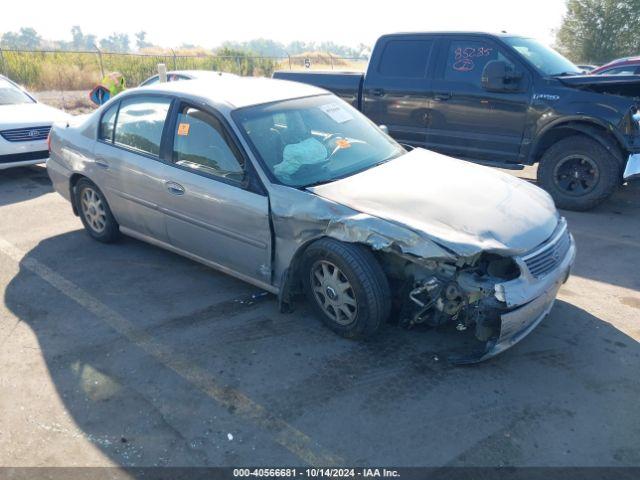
<point x="95" y="213"/>
<point x="347" y="287"/>
<point x="579" y="173"/>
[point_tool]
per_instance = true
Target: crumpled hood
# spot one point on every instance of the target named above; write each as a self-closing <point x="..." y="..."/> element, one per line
<point x="29" y="115"/>
<point x="460" y="205"/>
<point x="624" y="85"/>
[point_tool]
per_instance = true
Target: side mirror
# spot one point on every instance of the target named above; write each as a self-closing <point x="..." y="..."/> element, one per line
<point x="498" y="76"/>
<point x="384" y="128"/>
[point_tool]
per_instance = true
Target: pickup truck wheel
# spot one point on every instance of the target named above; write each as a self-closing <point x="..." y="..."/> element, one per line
<point x="579" y="173"/>
<point x="95" y="213"/>
<point x="347" y="287"/>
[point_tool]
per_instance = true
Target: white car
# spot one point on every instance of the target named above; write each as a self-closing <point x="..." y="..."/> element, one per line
<point x="177" y="75"/>
<point x="24" y="126"/>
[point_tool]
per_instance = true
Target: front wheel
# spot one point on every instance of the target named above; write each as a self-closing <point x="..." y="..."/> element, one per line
<point x="579" y="173"/>
<point x="95" y="213"/>
<point x="347" y="287"/>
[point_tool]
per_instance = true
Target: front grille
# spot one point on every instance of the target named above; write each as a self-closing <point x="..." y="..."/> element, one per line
<point x="29" y="134"/>
<point x="550" y="255"/>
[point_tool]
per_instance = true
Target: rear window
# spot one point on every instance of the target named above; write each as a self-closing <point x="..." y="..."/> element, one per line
<point x="140" y="123"/>
<point x="405" y="58"/>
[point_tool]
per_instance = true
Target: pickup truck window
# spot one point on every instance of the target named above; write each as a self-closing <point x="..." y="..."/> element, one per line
<point x="545" y="59"/>
<point x="405" y="58"/>
<point x="466" y="60"/>
<point x="312" y="140"/>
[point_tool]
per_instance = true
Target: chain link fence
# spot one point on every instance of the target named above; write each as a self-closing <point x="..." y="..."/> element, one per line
<point x="64" y="78"/>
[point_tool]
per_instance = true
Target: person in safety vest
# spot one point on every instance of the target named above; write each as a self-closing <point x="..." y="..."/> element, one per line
<point x="111" y="85"/>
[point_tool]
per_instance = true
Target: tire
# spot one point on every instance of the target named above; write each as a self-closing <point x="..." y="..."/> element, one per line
<point x="368" y="287"/>
<point x="95" y="213"/>
<point x="579" y="173"/>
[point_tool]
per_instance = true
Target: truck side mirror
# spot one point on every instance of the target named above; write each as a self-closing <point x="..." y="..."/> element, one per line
<point x="498" y="76"/>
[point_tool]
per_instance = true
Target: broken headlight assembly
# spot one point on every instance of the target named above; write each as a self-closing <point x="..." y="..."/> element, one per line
<point x="440" y="293"/>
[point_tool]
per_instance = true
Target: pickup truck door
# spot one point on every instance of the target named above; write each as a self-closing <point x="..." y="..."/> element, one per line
<point x="396" y="87"/>
<point x="210" y="212"/>
<point x="464" y="119"/>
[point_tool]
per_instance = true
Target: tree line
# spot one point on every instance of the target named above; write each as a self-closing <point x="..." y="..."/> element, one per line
<point x="27" y="38"/>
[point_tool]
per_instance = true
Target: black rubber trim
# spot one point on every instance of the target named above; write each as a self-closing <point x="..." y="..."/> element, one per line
<point x="24" y="157"/>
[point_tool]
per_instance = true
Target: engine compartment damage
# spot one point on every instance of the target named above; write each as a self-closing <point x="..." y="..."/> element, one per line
<point x="463" y="278"/>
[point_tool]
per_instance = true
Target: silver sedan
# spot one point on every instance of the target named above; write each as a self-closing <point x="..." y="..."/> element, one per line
<point x="287" y="187"/>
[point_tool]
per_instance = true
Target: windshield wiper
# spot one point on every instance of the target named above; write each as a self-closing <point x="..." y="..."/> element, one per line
<point x="566" y="74"/>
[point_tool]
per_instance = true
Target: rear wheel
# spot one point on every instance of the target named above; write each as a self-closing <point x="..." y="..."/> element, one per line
<point x="347" y="287"/>
<point x="579" y="173"/>
<point x="95" y="213"/>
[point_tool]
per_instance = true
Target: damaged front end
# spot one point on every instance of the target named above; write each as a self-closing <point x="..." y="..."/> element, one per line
<point x="499" y="299"/>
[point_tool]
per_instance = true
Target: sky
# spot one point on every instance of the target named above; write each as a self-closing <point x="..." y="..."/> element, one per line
<point x="347" y="22"/>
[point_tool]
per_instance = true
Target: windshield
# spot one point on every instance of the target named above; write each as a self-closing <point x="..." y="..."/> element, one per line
<point x="11" y="95"/>
<point x="545" y="59"/>
<point x="313" y="140"/>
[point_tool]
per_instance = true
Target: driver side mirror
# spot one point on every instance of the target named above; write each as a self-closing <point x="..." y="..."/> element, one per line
<point x="498" y="76"/>
<point x="384" y="128"/>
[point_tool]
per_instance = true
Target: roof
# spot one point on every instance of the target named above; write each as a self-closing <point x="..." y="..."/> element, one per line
<point x="237" y="92"/>
<point x="454" y="32"/>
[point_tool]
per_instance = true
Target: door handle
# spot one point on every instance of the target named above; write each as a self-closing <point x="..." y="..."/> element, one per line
<point x="174" y="188"/>
<point x="377" y="92"/>
<point x="442" y="96"/>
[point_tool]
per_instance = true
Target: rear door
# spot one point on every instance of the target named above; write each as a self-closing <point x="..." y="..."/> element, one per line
<point x="464" y="119"/>
<point x="128" y="167"/>
<point x="211" y="212"/>
<point x="396" y="87"/>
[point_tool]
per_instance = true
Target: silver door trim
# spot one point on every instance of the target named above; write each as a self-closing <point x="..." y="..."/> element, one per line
<point x="240" y="276"/>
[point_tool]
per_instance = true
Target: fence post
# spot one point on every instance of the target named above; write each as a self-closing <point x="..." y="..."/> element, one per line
<point x="289" y="57"/>
<point x="331" y="57"/>
<point x="175" y="62"/>
<point x="2" y="66"/>
<point x="99" y="59"/>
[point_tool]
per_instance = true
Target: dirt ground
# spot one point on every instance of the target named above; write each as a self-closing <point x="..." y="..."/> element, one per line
<point x="74" y="102"/>
<point x="125" y="354"/>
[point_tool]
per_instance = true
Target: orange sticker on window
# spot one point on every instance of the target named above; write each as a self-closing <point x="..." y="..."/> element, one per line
<point x="183" y="129"/>
<point x="343" y="143"/>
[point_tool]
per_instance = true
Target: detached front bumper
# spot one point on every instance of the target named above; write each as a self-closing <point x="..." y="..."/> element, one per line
<point x="632" y="170"/>
<point x="517" y="323"/>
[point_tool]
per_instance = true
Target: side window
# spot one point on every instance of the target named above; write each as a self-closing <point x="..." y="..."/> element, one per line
<point x="405" y="58"/>
<point x="150" y="81"/>
<point x="466" y="60"/>
<point x="140" y="123"/>
<point x="200" y="144"/>
<point x="108" y="123"/>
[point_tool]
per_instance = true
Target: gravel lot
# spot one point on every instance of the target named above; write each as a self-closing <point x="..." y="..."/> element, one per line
<point x="129" y="355"/>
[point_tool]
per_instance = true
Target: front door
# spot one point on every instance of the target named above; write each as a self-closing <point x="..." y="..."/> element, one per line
<point x="210" y="213"/>
<point x="467" y="121"/>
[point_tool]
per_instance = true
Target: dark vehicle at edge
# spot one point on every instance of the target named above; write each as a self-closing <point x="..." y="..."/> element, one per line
<point x="500" y="100"/>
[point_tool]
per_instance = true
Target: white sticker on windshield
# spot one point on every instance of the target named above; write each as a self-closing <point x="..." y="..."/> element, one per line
<point x="336" y="112"/>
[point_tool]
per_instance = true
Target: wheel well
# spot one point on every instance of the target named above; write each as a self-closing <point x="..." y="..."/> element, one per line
<point x="291" y="283"/>
<point x="597" y="132"/>
<point x="73" y="181"/>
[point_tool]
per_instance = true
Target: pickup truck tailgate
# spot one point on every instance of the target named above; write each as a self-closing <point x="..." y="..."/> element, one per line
<point x="346" y="85"/>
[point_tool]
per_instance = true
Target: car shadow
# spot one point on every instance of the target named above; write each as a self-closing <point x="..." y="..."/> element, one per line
<point x="15" y="189"/>
<point x="574" y="376"/>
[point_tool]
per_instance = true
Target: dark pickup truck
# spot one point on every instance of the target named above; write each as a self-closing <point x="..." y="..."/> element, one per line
<point x="501" y="100"/>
